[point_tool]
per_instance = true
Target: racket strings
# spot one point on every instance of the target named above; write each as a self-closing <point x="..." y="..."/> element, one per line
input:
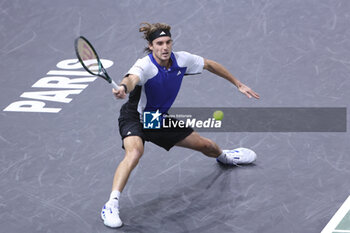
<point x="88" y="57"/>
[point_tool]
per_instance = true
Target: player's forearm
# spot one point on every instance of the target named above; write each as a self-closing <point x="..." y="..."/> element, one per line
<point x="221" y="71"/>
<point x="130" y="81"/>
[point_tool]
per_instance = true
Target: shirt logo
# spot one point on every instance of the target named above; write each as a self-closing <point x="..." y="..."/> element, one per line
<point x="151" y="120"/>
<point x="178" y="73"/>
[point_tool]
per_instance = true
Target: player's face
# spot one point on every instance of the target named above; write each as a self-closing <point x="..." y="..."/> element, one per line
<point x="161" y="49"/>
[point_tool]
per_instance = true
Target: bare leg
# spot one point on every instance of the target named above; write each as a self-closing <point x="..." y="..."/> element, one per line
<point x="133" y="151"/>
<point x="196" y="142"/>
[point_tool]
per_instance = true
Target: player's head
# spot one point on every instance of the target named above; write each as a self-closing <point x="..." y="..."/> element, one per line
<point x="154" y="33"/>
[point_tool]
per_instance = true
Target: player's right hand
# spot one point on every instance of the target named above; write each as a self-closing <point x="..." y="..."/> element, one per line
<point x="120" y="93"/>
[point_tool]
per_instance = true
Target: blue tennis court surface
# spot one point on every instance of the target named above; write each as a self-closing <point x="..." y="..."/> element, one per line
<point x="57" y="163"/>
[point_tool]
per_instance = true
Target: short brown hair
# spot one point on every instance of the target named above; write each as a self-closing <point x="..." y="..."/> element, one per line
<point x="148" y="29"/>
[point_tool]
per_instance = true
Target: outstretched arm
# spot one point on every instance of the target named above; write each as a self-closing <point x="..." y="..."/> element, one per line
<point x="221" y="71"/>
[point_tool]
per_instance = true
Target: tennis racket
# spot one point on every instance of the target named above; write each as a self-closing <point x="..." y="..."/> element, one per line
<point x="90" y="61"/>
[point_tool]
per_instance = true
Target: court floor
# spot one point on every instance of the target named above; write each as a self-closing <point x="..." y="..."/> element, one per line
<point x="57" y="162"/>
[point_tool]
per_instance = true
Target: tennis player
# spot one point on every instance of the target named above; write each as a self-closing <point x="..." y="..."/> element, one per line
<point x="153" y="83"/>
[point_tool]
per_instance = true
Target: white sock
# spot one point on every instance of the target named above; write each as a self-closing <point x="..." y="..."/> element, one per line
<point x="115" y="196"/>
<point x="222" y="158"/>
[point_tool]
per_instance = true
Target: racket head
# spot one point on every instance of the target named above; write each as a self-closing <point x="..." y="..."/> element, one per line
<point x="89" y="59"/>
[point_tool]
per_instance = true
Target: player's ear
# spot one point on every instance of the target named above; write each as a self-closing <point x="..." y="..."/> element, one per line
<point x="150" y="46"/>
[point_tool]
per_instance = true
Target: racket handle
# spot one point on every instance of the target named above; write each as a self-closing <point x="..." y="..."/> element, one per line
<point x="115" y="86"/>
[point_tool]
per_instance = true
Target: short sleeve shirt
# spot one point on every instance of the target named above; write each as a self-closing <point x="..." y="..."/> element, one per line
<point x="159" y="85"/>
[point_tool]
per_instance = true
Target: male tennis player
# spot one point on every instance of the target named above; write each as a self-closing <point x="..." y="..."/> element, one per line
<point x="153" y="83"/>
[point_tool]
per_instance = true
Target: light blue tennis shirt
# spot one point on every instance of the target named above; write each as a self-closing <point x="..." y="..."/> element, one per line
<point x="159" y="86"/>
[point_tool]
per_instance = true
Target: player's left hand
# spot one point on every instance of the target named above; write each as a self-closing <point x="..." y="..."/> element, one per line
<point x="248" y="91"/>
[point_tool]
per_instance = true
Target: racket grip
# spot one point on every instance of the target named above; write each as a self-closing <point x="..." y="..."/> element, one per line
<point x="115" y="86"/>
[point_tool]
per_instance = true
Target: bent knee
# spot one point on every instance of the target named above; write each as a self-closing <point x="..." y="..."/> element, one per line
<point x="133" y="156"/>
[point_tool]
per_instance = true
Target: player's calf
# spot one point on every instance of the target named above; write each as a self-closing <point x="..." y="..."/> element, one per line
<point x="209" y="148"/>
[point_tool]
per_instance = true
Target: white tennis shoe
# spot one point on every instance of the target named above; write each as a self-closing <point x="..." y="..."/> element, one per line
<point x="237" y="156"/>
<point x="110" y="214"/>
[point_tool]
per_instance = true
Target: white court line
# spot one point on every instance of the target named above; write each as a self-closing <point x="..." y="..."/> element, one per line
<point x="333" y="223"/>
<point x="341" y="231"/>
